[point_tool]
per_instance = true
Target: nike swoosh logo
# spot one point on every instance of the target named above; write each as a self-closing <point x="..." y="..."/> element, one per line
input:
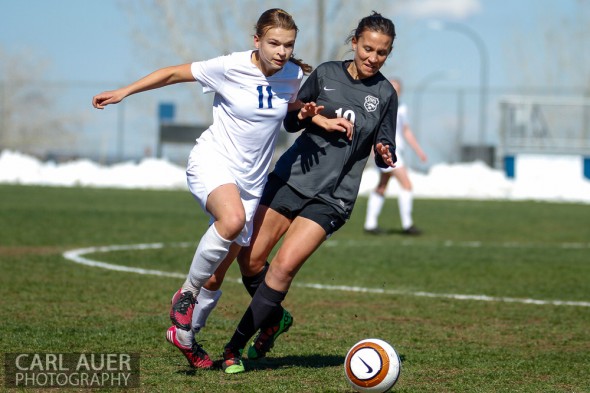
<point x="369" y="368"/>
<point x="326" y="89"/>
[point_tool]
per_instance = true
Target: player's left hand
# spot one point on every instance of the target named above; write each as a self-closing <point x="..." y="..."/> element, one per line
<point x="385" y="153"/>
<point x="337" y="124"/>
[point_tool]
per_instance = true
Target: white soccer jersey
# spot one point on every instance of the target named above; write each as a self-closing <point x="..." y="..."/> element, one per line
<point x="401" y="122"/>
<point x="248" y="110"/>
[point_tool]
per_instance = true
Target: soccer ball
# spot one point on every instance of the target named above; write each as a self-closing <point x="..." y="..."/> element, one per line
<point x="372" y="365"/>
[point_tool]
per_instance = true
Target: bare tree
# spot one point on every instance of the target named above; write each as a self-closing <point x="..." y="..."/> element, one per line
<point x="28" y="121"/>
<point x="175" y="32"/>
<point x="180" y="31"/>
<point x="559" y="55"/>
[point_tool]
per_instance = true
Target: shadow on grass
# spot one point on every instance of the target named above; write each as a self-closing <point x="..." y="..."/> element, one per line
<point x="272" y="363"/>
<point x="385" y="232"/>
<point x="313" y="361"/>
<point x="310" y="361"/>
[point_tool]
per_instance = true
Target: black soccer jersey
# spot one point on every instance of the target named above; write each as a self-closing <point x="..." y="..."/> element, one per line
<point x="327" y="165"/>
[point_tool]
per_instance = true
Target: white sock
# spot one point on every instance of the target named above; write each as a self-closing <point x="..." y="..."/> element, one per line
<point x="374" y="206"/>
<point x="185" y="337"/>
<point x="210" y="252"/>
<point x="405" y="202"/>
<point x="206" y="302"/>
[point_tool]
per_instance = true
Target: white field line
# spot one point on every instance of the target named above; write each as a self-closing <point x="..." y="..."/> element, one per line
<point x="77" y="257"/>
<point x="451" y="243"/>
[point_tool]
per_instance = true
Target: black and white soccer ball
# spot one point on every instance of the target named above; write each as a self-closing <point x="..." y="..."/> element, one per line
<point x="372" y="365"/>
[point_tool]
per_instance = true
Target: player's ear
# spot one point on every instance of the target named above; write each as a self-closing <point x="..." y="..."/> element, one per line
<point x="256" y="41"/>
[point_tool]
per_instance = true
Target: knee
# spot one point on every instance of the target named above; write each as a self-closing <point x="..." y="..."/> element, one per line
<point x="380" y="190"/>
<point x="282" y="272"/>
<point x="406" y="186"/>
<point x="214" y="282"/>
<point x="230" y="226"/>
<point x="250" y="264"/>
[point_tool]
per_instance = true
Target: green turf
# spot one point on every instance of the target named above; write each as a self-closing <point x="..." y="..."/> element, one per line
<point x="517" y="250"/>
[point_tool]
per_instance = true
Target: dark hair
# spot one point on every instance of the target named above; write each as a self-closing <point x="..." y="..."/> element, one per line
<point x="374" y="22"/>
<point x="278" y="18"/>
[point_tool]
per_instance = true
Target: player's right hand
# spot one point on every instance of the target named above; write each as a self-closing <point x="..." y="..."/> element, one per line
<point x="103" y="99"/>
<point x="309" y="109"/>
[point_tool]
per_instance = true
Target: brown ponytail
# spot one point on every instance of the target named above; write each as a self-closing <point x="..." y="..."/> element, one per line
<point x="307" y="69"/>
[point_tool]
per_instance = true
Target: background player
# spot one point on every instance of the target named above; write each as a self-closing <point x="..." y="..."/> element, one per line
<point x="405" y="199"/>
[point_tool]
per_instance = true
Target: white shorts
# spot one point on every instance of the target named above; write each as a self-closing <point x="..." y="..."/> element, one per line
<point x="205" y="172"/>
<point x="399" y="163"/>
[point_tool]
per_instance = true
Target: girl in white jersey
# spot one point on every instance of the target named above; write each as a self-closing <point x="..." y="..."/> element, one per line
<point x="227" y="168"/>
<point x="405" y="199"/>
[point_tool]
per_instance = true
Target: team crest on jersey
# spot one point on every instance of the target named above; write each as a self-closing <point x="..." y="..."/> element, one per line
<point x="371" y="103"/>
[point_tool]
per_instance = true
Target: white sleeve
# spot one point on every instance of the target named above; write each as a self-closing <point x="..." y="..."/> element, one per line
<point x="402" y="115"/>
<point x="296" y="84"/>
<point x="210" y="73"/>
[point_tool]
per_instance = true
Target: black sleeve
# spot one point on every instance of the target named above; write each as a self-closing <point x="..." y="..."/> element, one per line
<point x="292" y="122"/>
<point x="310" y="90"/>
<point x="386" y="132"/>
<point x="307" y="93"/>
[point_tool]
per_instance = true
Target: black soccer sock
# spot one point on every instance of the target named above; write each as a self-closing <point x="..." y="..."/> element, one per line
<point x="253" y="282"/>
<point x="273" y="318"/>
<point x="265" y="303"/>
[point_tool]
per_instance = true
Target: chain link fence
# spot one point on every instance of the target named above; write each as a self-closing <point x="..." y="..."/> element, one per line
<point x="56" y="121"/>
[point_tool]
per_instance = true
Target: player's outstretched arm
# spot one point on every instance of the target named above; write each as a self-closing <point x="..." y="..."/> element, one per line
<point x="162" y="77"/>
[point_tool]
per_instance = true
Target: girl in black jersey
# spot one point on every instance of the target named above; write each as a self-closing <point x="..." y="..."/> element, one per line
<point x="314" y="185"/>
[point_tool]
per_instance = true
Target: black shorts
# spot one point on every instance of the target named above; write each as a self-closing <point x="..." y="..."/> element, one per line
<point x="286" y="201"/>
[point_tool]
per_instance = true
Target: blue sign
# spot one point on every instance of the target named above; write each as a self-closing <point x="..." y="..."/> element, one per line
<point x="509" y="166"/>
<point x="166" y="112"/>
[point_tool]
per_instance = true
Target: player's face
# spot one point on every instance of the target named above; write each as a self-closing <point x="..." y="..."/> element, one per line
<point x="371" y="50"/>
<point x="275" y="48"/>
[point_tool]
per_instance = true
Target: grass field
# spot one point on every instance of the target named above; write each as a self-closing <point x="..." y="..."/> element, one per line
<point x="424" y="295"/>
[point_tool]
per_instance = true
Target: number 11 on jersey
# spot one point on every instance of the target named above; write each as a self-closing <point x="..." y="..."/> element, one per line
<point x="261" y="91"/>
